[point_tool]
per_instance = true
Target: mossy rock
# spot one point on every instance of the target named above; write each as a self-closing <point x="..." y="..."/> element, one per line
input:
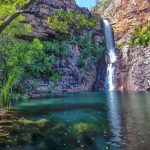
<point x="24" y="121"/>
<point x="7" y="122"/>
<point x="42" y="122"/>
<point x="85" y="128"/>
<point x="57" y="126"/>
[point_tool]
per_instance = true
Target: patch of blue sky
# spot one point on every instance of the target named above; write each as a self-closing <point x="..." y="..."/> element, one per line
<point x="86" y="3"/>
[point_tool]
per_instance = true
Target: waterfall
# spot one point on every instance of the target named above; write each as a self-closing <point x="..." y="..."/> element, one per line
<point x="112" y="56"/>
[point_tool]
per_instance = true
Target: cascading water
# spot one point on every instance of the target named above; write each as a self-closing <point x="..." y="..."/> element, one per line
<point x="112" y="56"/>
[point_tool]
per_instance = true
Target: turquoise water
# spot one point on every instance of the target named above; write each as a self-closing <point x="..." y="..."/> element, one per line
<point x="93" y="121"/>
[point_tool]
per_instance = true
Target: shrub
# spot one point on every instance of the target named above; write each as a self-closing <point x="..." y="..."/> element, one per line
<point x="43" y="65"/>
<point x="55" y="76"/>
<point x="81" y="62"/>
<point x="140" y="36"/>
<point x="88" y="47"/>
<point x="68" y="21"/>
<point x="102" y="5"/>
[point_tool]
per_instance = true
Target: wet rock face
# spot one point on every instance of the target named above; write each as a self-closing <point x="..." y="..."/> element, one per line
<point x="101" y="72"/>
<point x="39" y="13"/>
<point x="133" y="69"/>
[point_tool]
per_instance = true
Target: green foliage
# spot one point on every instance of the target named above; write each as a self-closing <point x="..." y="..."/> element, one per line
<point x="81" y="62"/>
<point x="58" y="47"/>
<point x="119" y="45"/>
<point x="15" y="55"/>
<point x="70" y="21"/>
<point x="89" y="48"/>
<point x="140" y="36"/>
<point x="55" y="76"/>
<point x="4" y="95"/>
<point x="43" y="64"/>
<point x="102" y="5"/>
<point x="8" y="8"/>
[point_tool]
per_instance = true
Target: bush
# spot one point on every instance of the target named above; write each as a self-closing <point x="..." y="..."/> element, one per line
<point x="57" y="46"/>
<point x="81" y="62"/>
<point x="102" y="5"/>
<point x="119" y="45"/>
<point x="140" y="36"/>
<point x="88" y="47"/>
<point x="43" y="65"/>
<point x="15" y="55"/>
<point x="68" y="21"/>
<point x="55" y="76"/>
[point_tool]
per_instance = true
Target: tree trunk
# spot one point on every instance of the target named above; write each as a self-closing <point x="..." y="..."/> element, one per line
<point x="8" y="20"/>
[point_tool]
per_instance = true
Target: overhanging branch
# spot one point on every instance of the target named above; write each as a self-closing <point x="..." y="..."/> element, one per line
<point x="8" y="20"/>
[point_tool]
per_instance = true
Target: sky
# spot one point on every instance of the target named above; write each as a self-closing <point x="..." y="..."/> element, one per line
<point x="86" y="3"/>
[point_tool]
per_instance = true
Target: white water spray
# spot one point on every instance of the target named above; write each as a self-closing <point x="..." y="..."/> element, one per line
<point x="112" y="55"/>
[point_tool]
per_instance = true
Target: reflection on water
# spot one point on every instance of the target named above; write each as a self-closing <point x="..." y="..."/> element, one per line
<point x="136" y="120"/>
<point x="114" y="119"/>
<point x="88" y="121"/>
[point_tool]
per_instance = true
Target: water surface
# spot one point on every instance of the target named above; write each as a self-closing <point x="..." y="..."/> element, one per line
<point x="92" y="121"/>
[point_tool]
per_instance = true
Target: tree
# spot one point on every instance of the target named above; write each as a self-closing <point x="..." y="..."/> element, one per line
<point x="15" y="54"/>
<point x="21" y="10"/>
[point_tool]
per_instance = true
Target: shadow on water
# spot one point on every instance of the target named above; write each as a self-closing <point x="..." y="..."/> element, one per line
<point x="136" y="120"/>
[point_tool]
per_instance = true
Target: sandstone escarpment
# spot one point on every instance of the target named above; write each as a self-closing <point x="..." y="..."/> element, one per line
<point x="125" y="14"/>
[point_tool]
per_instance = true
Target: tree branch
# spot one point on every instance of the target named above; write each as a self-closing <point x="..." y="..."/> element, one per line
<point x="8" y="20"/>
<point x="28" y="4"/>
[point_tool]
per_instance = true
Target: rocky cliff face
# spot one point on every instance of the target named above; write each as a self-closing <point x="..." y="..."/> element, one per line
<point x="74" y="78"/>
<point x="133" y="65"/>
<point x="41" y="10"/>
